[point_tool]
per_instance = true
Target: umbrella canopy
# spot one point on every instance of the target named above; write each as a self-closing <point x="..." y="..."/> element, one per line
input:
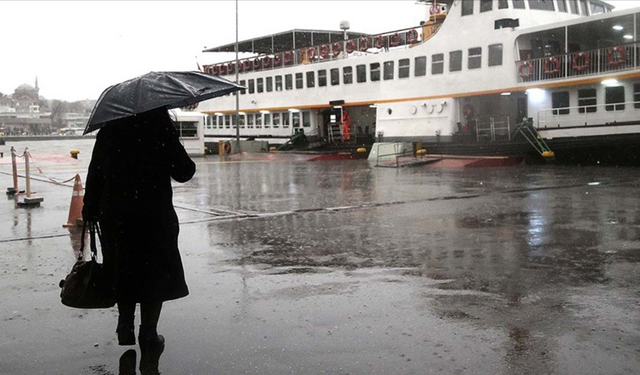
<point x="154" y="90"/>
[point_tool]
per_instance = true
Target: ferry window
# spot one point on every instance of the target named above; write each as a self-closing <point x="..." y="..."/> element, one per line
<point x="518" y="4"/>
<point x="361" y="73"/>
<point x="335" y="76"/>
<point x="573" y="6"/>
<point x="403" y="68"/>
<point x="276" y="120"/>
<point x="227" y="121"/>
<point x="455" y="61"/>
<point x="597" y="9"/>
<point x="613" y="95"/>
<point x="388" y="70"/>
<point x="562" y="7"/>
<point x="267" y="120"/>
<point x="485" y="5"/>
<point x="475" y="58"/>
<point x="322" y="78"/>
<point x="299" y="83"/>
<point x="347" y="75"/>
<point x="437" y="63"/>
<point x="260" y="84"/>
<point x="250" y="120"/>
<point x="188" y="129"/>
<point x="295" y="119"/>
<point x="243" y="83"/>
<point x="233" y="121"/>
<point x="560" y="100"/>
<point x="306" y="119"/>
<point x="587" y="100"/>
<point x="278" y="83"/>
<point x="240" y="120"/>
<point x="269" y="84"/>
<point x="420" y="68"/>
<point x="252" y="88"/>
<point x="220" y="121"/>
<point x="374" y="69"/>
<point x="288" y="82"/>
<point x="212" y="122"/>
<point x="311" y="79"/>
<point x="503" y="4"/>
<point x="467" y="8"/>
<point x="636" y="95"/>
<point x="541" y="5"/>
<point x="495" y="54"/>
<point x="585" y="7"/>
<point x="285" y="120"/>
<point x="258" y="120"/>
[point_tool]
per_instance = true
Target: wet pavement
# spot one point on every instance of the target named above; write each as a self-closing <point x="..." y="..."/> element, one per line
<point x="306" y="267"/>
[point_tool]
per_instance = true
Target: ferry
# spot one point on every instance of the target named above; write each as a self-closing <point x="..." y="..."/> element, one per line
<point x="486" y="77"/>
<point x="190" y="126"/>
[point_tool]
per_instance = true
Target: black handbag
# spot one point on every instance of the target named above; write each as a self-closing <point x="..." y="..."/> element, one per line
<point x="85" y="287"/>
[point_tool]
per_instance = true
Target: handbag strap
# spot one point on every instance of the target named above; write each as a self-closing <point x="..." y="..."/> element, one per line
<point x="94" y="230"/>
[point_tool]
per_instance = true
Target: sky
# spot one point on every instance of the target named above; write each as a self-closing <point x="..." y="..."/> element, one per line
<point x="76" y="49"/>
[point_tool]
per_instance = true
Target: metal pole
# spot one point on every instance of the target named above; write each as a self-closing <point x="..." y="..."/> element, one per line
<point x="237" y="93"/>
<point x="26" y="172"/>
<point x="14" y="166"/>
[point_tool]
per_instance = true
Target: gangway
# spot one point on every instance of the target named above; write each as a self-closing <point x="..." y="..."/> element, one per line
<point x="526" y="129"/>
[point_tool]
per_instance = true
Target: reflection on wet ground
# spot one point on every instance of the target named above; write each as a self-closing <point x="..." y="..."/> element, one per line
<point x="344" y="268"/>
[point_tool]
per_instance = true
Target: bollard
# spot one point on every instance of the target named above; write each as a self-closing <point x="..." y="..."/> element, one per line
<point x="28" y="200"/>
<point x="14" y="166"/>
<point x="74" y="153"/>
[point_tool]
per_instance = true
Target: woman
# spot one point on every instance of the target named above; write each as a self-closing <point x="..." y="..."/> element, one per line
<point x="128" y="191"/>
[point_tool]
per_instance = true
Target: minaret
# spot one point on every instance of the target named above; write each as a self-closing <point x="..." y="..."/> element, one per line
<point x="37" y="89"/>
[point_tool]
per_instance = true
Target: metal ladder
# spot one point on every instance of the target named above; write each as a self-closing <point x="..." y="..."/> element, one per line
<point x="335" y="132"/>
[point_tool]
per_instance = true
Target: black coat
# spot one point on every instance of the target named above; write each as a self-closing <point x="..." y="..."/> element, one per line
<point x="128" y="190"/>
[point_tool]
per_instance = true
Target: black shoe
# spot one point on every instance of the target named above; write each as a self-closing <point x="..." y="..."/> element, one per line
<point x="128" y="363"/>
<point x="151" y="349"/>
<point x="126" y="336"/>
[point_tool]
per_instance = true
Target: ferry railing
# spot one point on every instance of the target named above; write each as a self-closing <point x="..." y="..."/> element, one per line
<point x="492" y="128"/>
<point x="576" y="64"/>
<point x="601" y="114"/>
<point x="327" y="51"/>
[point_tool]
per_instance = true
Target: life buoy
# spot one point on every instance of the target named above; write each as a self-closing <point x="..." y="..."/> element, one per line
<point x="247" y="65"/>
<point x="468" y="111"/>
<point x="364" y="44"/>
<point x="266" y="61"/>
<point x="324" y="51"/>
<point x="227" y="147"/>
<point x="336" y="48"/>
<point x="215" y="70"/>
<point x="257" y="63"/>
<point x="240" y="67"/>
<point x="277" y="59"/>
<point x="288" y="57"/>
<point x="548" y="69"/>
<point x="222" y="69"/>
<point x="311" y="53"/>
<point x="230" y="67"/>
<point x="576" y="61"/>
<point x="394" y="40"/>
<point x="350" y="46"/>
<point x="521" y="71"/>
<point x="616" y="56"/>
<point x="379" y="41"/>
<point x="412" y="36"/>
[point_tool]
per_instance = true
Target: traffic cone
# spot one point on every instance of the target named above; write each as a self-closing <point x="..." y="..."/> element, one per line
<point x="75" y="211"/>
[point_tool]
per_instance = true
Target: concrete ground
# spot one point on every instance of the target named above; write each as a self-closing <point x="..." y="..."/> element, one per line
<point x="339" y="267"/>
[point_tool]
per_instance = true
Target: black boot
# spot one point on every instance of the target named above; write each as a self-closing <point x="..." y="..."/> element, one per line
<point x="128" y="363"/>
<point x="151" y="348"/>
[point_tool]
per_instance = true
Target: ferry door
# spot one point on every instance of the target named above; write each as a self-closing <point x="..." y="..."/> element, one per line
<point x="522" y="109"/>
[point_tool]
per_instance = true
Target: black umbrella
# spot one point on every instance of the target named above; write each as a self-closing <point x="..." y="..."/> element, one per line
<point x="154" y="90"/>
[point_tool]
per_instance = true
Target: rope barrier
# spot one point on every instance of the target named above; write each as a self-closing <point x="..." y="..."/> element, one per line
<point x="26" y="152"/>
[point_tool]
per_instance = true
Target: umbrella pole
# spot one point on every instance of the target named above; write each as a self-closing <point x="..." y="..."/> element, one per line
<point x="236" y="93"/>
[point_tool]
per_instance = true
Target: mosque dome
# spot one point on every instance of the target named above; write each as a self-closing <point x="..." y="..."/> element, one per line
<point x="25" y="87"/>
